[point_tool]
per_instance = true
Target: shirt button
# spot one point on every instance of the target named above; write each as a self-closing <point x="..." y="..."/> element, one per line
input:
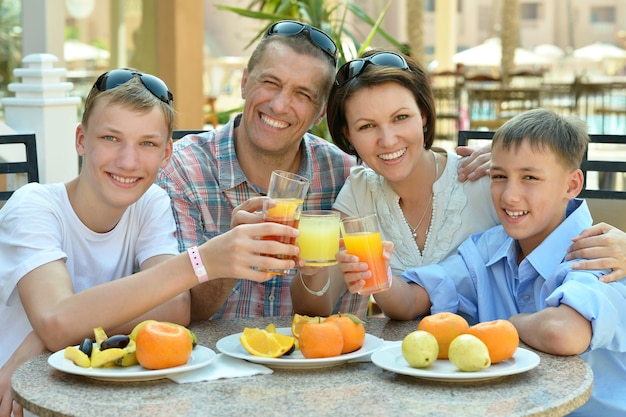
<point x="526" y="298"/>
<point x="271" y="298"/>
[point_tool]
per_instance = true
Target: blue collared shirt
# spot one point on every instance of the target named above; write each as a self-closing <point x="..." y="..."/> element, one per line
<point x="483" y="282"/>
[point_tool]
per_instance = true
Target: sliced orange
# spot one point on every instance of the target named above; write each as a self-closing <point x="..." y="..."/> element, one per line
<point x="271" y="328"/>
<point x="260" y="342"/>
<point x="300" y="320"/>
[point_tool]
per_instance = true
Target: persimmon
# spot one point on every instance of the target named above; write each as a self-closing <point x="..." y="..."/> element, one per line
<point x="320" y="339"/>
<point x="500" y="336"/>
<point x="445" y="327"/>
<point x="163" y="345"/>
<point x="352" y="330"/>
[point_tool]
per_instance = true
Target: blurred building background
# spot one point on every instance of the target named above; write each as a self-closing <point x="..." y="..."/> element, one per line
<point x="200" y="50"/>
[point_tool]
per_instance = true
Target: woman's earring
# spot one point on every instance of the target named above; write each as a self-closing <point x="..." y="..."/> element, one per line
<point x="425" y="129"/>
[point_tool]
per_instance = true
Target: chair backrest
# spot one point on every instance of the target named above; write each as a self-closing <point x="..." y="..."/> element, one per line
<point x="604" y="163"/>
<point x="28" y="167"/>
<point x="177" y="134"/>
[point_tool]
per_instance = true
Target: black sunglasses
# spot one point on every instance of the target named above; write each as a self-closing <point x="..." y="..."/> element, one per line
<point x="352" y="69"/>
<point x="117" y="77"/>
<point x="318" y="37"/>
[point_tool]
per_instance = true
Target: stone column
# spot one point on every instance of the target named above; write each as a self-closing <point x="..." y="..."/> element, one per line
<point x="42" y="105"/>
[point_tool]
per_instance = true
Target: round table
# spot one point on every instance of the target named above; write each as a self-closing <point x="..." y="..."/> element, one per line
<point x="557" y="386"/>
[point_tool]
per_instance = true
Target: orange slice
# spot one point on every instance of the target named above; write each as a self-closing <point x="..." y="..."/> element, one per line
<point x="260" y="342"/>
<point x="300" y="320"/>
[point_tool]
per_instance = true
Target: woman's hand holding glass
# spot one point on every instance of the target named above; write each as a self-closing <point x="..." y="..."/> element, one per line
<point x="355" y="272"/>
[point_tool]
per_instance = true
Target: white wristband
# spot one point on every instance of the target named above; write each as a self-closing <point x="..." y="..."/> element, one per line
<point x="316" y="293"/>
<point x="196" y="263"/>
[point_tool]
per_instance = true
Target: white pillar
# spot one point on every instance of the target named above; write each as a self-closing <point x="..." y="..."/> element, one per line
<point x="445" y="33"/>
<point x="42" y="105"/>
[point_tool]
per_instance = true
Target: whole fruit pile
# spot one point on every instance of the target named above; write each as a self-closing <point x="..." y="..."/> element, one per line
<point x="315" y="337"/>
<point x="160" y="345"/>
<point x="469" y="348"/>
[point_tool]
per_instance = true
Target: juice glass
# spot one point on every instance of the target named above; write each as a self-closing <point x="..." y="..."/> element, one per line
<point x="288" y="191"/>
<point x="319" y="237"/>
<point x="361" y="236"/>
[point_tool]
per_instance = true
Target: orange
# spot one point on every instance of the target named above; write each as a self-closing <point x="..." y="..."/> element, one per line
<point x="163" y="345"/>
<point x="300" y="320"/>
<point x="321" y="339"/>
<point x="500" y="336"/>
<point x="265" y="343"/>
<point x="352" y="330"/>
<point x="445" y="327"/>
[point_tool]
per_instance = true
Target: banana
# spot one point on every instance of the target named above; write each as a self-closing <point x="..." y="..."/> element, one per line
<point x="100" y="335"/>
<point x="130" y="357"/>
<point x="77" y="356"/>
<point x="106" y="358"/>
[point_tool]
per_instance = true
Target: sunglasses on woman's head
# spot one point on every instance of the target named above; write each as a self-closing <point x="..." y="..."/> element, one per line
<point x="118" y="77"/>
<point x="318" y="37"/>
<point x="352" y="69"/>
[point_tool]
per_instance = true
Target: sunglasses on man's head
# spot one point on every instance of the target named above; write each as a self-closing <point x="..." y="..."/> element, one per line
<point x="352" y="69"/>
<point x="318" y="37"/>
<point x="118" y="77"/>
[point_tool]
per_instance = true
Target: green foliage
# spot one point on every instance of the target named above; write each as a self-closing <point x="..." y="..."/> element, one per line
<point x="330" y="16"/>
<point x="10" y="41"/>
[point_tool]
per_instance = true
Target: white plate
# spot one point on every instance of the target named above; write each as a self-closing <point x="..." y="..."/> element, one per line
<point x="443" y="370"/>
<point x="200" y="356"/>
<point x="231" y="346"/>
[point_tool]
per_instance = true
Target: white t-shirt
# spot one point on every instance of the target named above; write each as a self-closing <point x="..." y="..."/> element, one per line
<point x="38" y="226"/>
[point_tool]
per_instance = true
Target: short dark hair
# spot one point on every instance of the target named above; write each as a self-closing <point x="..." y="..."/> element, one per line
<point x="566" y="136"/>
<point x="302" y="44"/>
<point x="416" y="80"/>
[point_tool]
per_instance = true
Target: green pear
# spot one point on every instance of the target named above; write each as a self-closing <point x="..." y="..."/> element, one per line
<point x="469" y="353"/>
<point x="420" y="349"/>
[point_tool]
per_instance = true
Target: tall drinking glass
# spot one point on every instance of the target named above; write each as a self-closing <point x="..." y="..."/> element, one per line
<point x="361" y="236"/>
<point x="288" y="191"/>
<point x="319" y="237"/>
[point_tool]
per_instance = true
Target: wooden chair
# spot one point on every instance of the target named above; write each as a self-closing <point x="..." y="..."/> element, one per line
<point x="27" y="166"/>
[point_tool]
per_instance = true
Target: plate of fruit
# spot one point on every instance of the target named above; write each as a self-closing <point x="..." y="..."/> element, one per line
<point x="445" y="348"/>
<point x="310" y="342"/>
<point x="153" y="350"/>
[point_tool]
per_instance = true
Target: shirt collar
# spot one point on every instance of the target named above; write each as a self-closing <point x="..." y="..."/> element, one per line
<point x="542" y="258"/>
<point x="230" y="173"/>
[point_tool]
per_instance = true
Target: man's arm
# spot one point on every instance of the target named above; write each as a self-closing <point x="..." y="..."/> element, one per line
<point x="556" y="330"/>
<point x="208" y="298"/>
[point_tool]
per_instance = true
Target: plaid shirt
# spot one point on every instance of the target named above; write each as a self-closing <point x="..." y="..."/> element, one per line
<point x="205" y="183"/>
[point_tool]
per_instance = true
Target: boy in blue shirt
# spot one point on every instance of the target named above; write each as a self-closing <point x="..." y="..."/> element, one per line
<point x="517" y="271"/>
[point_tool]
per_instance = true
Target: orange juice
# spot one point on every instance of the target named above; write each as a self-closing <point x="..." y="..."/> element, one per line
<point x="368" y="247"/>
<point x="286" y="211"/>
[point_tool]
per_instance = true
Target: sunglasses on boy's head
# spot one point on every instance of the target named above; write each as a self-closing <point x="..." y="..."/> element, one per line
<point x="318" y="37"/>
<point x="118" y="77"/>
<point x="352" y="69"/>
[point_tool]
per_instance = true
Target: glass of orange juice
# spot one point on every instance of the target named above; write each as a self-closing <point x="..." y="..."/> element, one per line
<point x="319" y="237"/>
<point x="361" y="236"/>
<point x="288" y="191"/>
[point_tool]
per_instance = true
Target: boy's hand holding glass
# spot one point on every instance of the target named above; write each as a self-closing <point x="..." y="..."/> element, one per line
<point x="287" y="192"/>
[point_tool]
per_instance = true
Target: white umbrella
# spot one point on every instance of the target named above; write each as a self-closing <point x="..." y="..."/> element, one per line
<point x="548" y="50"/>
<point x="489" y="54"/>
<point x="79" y="51"/>
<point x="600" y="51"/>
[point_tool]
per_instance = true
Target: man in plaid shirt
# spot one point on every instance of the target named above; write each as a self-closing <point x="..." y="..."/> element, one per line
<point x="285" y="87"/>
